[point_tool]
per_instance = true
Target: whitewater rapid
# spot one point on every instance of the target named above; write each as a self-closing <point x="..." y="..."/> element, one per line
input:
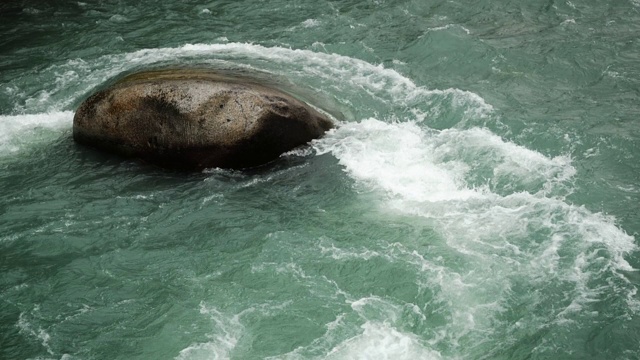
<point x="498" y="209"/>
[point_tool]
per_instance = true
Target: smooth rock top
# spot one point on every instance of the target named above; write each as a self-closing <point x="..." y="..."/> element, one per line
<point x="195" y="119"/>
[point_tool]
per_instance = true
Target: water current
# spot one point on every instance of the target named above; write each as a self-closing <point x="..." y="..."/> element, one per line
<point x="478" y="199"/>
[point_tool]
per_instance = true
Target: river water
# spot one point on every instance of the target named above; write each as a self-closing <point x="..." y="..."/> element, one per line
<point x="479" y="198"/>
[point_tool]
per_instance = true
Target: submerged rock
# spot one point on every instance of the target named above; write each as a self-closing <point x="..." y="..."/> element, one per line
<point x="193" y="119"/>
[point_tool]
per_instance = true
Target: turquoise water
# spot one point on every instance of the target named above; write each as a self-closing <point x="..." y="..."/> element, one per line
<point x="479" y="198"/>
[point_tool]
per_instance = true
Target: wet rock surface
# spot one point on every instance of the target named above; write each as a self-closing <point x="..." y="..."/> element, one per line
<point x="191" y="120"/>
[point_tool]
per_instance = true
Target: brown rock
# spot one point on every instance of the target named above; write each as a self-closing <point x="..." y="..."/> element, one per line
<point x="195" y="119"/>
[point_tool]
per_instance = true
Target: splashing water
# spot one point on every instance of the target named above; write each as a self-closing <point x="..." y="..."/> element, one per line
<point x="429" y="224"/>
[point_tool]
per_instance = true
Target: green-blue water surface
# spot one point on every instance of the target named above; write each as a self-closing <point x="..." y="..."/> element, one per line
<point x="479" y="198"/>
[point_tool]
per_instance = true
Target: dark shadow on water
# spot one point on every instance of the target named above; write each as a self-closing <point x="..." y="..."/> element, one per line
<point x="87" y="159"/>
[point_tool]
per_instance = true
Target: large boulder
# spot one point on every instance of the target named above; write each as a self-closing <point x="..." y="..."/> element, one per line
<point x="195" y="119"/>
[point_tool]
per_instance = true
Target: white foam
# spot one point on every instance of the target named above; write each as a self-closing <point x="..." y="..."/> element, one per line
<point x="309" y="23"/>
<point x="449" y="26"/>
<point x="395" y="158"/>
<point x="507" y="165"/>
<point x="382" y="341"/>
<point x="420" y="165"/>
<point x="302" y="151"/>
<point x="334" y="69"/>
<point x="18" y="132"/>
<point x="340" y="75"/>
<point x="377" y="336"/>
<point x="226" y="333"/>
<point x="374" y="79"/>
<point x="341" y="254"/>
<point x="34" y="331"/>
<point x="515" y="221"/>
<point x="411" y="162"/>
